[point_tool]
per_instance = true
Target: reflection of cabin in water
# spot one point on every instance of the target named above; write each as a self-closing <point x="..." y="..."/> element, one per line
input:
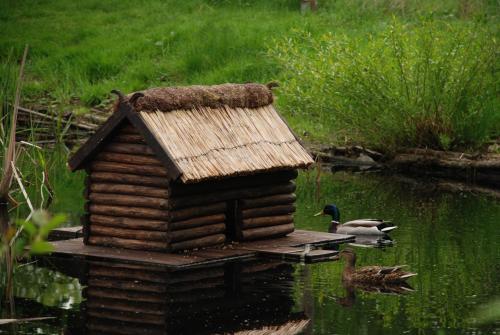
<point x="246" y="297"/>
<point x="182" y="168"/>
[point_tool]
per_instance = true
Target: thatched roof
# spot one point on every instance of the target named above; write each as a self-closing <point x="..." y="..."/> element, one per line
<point x="210" y="132"/>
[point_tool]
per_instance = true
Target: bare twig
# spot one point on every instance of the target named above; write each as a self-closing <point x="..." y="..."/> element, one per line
<point x="28" y="201"/>
<point x="23" y="190"/>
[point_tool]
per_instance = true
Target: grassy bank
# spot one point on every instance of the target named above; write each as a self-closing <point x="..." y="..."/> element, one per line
<point x="80" y="50"/>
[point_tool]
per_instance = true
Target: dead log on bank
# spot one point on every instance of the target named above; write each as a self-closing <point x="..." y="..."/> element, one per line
<point x="450" y="165"/>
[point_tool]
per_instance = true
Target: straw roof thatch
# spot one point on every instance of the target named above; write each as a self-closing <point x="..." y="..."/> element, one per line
<point x="207" y="132"/>
<point x="244" y="135"/>
<point x="292" y="327"/>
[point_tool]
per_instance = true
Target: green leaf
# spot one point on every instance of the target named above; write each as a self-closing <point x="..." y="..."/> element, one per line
<point x="19" y="246"/>
<point x="41" y="247"/>
<point x="53" y="223"/>
<point x="29" y="227"/>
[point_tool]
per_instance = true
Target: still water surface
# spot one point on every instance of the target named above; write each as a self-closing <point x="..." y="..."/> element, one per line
<point x="450" y="240"/>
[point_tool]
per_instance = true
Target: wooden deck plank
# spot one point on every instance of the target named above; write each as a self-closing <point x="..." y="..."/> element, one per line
<point x="299" y="238"/>
<point x="320" y="255"/>
<point x="289" y="248"/>
<point x="76" y="247"/>
<point x="296" y="254"/>
<point x="65" y="233"/>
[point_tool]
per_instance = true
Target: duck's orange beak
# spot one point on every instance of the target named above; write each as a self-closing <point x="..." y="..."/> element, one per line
<point x="320" y="213"/>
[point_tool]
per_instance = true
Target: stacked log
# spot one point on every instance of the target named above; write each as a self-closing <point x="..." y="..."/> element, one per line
<point x="258" y="206"/>
<point x="128" y="195"/>
<point x="198" y="226"/>
<point x="267" y="216"/>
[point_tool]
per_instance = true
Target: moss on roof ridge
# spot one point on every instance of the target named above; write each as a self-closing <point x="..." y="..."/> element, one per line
<point x="189" y="97"/>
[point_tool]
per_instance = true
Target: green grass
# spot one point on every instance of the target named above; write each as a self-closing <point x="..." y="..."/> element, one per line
<point x="80" y="50"/>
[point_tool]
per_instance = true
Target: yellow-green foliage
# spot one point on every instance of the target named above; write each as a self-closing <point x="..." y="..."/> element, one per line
<point x="427" y="84"/>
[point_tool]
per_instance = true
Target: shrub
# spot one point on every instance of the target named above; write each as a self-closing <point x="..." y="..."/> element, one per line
<point x="428" y="85"/>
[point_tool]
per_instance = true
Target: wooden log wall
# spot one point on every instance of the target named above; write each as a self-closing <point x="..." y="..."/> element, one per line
<point x="267" y="216"/>
<point x="131" y="204"/>
<point x="253" y="207"/>
<point x="198" y="226"/>
<point x="128" y="195"/>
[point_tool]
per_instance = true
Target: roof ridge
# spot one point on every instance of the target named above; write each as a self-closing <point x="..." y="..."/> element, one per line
<point x="166" y="99"/>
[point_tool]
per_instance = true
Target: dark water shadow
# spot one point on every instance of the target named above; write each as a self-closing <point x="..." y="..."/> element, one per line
<point x="124" y="298"/>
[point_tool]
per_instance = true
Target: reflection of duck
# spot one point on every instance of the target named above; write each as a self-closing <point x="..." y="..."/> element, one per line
<point x="371" y="274"/>
<point x="372" y="241"/>
<point x="355" y="227"/>
<point x="350" y="291"/>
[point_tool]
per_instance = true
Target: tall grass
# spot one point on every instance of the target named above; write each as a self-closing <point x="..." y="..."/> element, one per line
<point x="429" y="84"/>
<point x="28" y="165"/>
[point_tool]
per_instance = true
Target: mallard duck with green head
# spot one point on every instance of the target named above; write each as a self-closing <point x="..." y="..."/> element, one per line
<point x="355" y="227"/>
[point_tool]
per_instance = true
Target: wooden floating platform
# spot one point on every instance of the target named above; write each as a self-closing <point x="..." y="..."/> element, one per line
<point x="66" y="233"/>
<point x="288" y="248"/>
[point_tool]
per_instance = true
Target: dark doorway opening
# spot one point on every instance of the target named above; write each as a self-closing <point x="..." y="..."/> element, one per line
<point x="233" y="221"/>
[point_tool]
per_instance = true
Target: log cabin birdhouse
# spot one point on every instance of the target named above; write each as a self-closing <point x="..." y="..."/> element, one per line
<point x="188" y="167"/>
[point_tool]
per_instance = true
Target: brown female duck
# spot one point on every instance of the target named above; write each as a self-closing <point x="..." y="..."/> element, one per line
<point x="376" y="275"/>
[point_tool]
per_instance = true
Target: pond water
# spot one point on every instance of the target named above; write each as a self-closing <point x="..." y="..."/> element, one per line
<point x="451" y="240"/>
